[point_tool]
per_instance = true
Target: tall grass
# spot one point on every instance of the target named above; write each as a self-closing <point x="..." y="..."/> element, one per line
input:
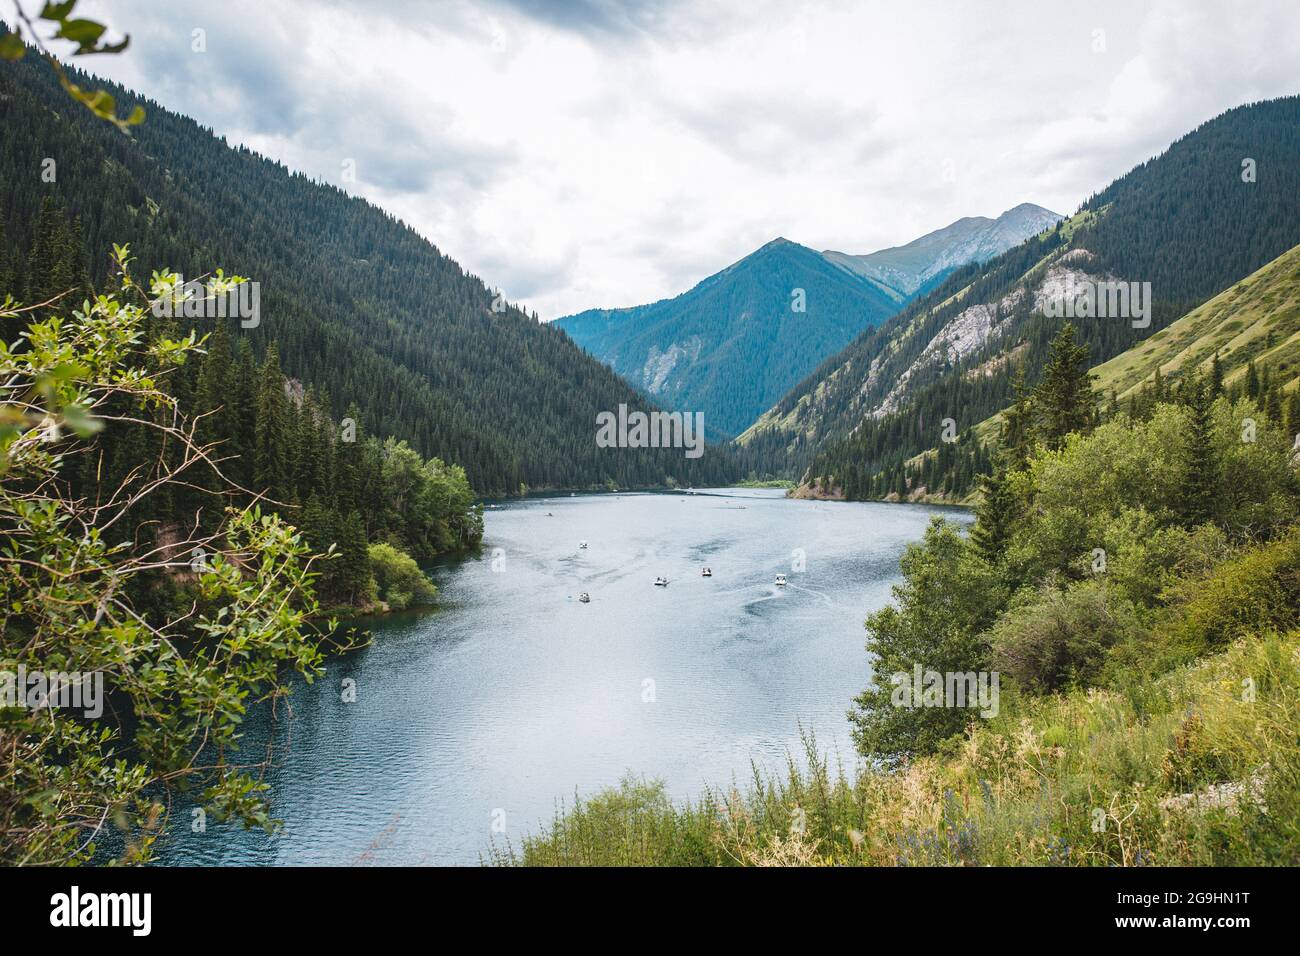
<point x="1071" y="779"/>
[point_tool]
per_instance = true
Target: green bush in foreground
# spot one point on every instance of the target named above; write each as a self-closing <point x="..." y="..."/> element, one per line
<point x="1259" y="588"/>
<point x="76" y="597"/>
<point x="1059" y="638"/>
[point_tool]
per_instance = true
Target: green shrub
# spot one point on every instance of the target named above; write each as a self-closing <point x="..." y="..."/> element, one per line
<point x="400" y="581"/>
<point x="1058" y="638"/>
<point x="948" y="597"/>
<point x="1144" y="556"/>
<point x="1122" y="488"/>
<point x="1257" y="591"/>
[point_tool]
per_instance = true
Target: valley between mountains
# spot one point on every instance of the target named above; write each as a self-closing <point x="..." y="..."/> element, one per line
<point x="978" y="550"/>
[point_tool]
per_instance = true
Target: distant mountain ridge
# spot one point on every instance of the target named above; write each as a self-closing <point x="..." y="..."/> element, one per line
<point x="904" y="270"/>
<point x="736" y="342"/>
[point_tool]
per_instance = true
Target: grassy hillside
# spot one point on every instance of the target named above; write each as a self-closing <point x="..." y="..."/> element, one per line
<point x="1257" y="319"/>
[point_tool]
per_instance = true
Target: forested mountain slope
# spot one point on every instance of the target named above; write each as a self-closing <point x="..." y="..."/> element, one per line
<point x="737" y="341"/>
<point x="1247" y="337"/>
<point x="1190" y="222"/>
<point x="359" y="304"/>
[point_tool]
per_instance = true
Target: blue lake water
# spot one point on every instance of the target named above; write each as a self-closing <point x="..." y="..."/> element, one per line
<point x="513" y="695"/>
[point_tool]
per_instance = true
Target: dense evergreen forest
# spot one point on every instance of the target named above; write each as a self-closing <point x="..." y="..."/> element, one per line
<point x="276" y="444"/>
<point x="355" y="300"/>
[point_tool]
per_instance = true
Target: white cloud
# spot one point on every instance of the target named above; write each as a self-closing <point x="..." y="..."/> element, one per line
<point x="600" y="154"/>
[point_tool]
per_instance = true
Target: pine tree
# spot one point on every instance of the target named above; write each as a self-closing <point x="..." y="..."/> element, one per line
<point x="312" y="450"/>
<point x="52" y="263"/>
<point x="271" y="431"/>
<point x="1201" y="478"/>
<point x="995" y="516"/>
<point x="6" y="273"/>
<point x="1064" y="399"/>
<point x="243" y="420"/>
<point x="1272" y="404"/>
<point x="215" y="391"/>
<point x="1016" y="440"/>
<point x="353" y="575"/>
<point x="1292" y="422"/>
<point x="318" y="526"/>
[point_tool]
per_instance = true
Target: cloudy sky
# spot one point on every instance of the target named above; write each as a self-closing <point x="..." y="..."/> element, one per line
<point x="589" y="154"/>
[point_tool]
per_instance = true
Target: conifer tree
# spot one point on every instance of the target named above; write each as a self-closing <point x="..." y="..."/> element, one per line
<point x="995" y="515"/>
<point x="1064" y="399"/>
<point x="1017" y="421"/>
<point x="1201" y="477"/>
<point x="216" y="389"/>
<point x="318" y="525"/>
<point x="243" y="421"/>
<point x="1273" y="404"/>
<point x="1292" y="422"/>
<point x="6" y="274"/>
<point x="52" y="262"/>
<point x="1252" y="381"/>
<point x="353" y="574"/>
<point x="271" y="431"/>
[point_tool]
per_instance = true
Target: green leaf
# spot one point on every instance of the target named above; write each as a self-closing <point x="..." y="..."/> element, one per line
<point x="112" y="47"/>
<point x="57" y="11"/>
<point x="85" y="32"/>
<point x="81" y="421"/>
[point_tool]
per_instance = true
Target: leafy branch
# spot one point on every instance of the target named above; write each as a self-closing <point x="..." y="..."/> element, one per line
<point x="88" y="37"/>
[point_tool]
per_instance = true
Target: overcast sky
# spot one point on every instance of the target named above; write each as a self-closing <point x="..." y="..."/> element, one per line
<point x="590" y="154"/>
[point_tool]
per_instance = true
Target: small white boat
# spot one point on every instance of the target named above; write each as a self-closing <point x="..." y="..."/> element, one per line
<point x="661" y="582"/>
<point x="582" y="545"/>
<point x="780" y="580"/>
<point x="706" y="573"/>
<point x="584" y="597"/>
